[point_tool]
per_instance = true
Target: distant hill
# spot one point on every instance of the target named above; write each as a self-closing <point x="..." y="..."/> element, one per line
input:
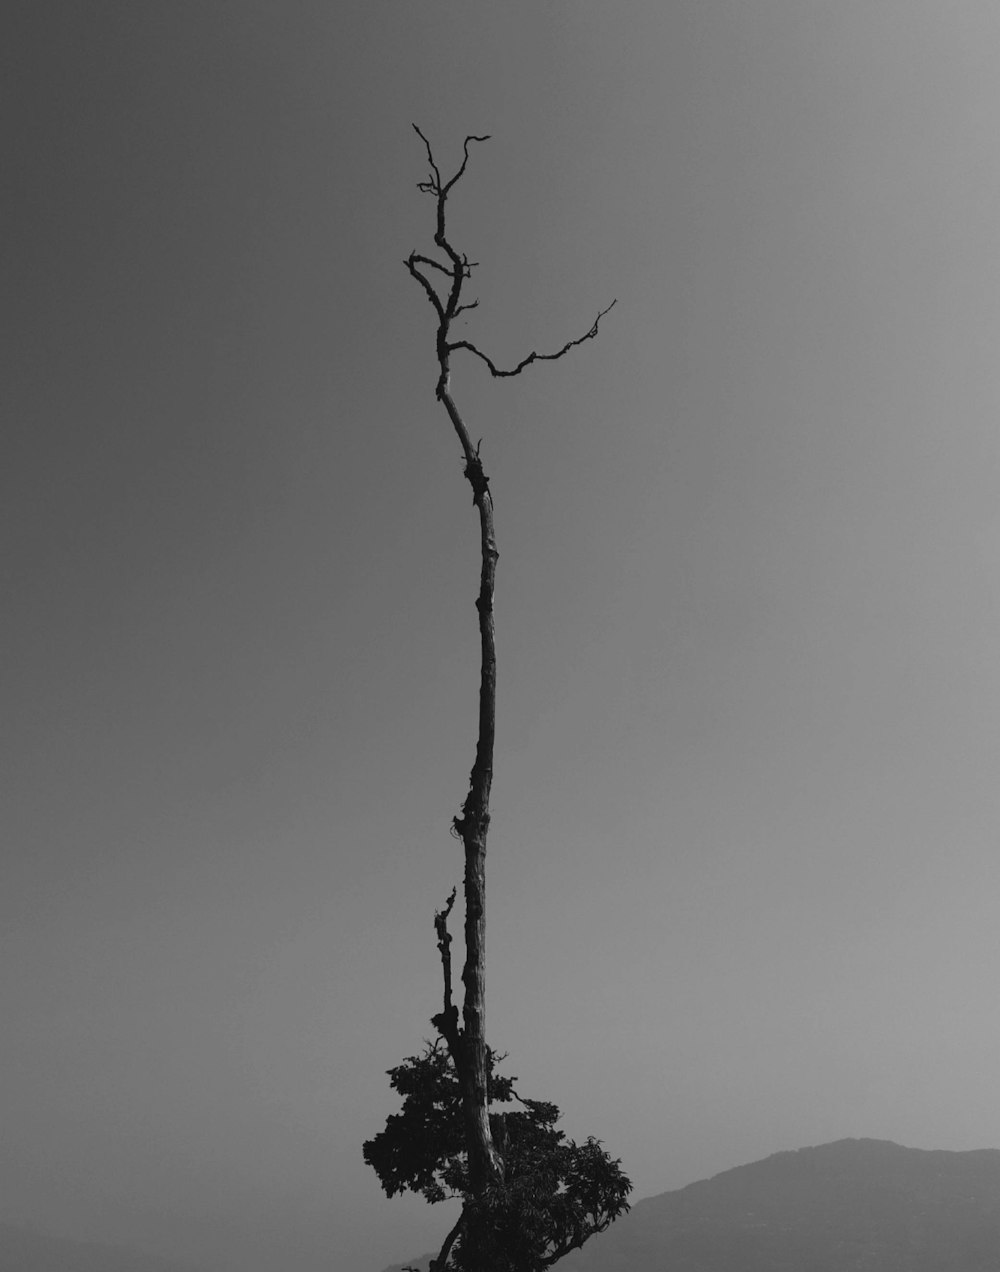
<point x="22" y="1250"/>
<point x="842" y="1207"/>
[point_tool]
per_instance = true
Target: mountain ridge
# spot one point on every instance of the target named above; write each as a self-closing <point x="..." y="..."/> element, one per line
<point x="839" y="1207"/>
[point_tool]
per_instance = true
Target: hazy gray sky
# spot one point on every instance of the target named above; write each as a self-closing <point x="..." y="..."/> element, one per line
<point x="744" y="874"/>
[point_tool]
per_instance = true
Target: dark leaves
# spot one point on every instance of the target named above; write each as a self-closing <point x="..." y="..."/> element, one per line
<point x="556" y="1193"/>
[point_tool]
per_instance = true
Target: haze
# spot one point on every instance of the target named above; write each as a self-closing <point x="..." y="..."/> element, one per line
<point x="744" y="872"/>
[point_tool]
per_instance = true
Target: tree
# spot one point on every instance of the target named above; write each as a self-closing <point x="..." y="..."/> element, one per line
<point x="529" y="1196"/>
<point x="555" y="1193"/>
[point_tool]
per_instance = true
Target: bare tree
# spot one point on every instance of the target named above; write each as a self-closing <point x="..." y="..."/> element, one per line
<point x="481" y="1174"/>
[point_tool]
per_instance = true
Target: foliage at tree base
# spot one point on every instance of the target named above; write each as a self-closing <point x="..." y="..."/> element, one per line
<point x="555" y="1193"/>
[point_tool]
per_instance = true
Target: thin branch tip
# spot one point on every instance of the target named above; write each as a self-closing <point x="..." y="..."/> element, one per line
<point x="440" y="915"/>
<point x="435" y="185"/>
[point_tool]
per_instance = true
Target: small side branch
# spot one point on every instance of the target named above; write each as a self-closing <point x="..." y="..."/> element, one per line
<point x="427" y="260"/>
<point x="424" y="282"/>
<point x="446" y="1022"/>
<point x="533" y="356"/>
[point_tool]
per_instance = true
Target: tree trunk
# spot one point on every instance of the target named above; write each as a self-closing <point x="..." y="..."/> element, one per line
<point x="472" y="825"/>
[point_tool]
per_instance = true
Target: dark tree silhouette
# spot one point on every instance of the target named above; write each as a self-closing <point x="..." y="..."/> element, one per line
<point x="529" y="1195"/>
<point x="555" y="1193"/>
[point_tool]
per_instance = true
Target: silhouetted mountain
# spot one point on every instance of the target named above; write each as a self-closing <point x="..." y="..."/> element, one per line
<point x="851" y="1205"/>
<point x="22" y="1250"/>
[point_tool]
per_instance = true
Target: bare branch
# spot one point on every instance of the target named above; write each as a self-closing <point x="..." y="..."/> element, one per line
<point x="465" y="160"/>
<point x="460" y="265"/>
<point x="447" y="1022"/>
<point x="433" y="186"/>
<point x="432" y="295"/>
<point x="448" y="308"/>
<point x="426" y="260"/>
<point x="444" y="943"/>
<point x="532" y="357"/>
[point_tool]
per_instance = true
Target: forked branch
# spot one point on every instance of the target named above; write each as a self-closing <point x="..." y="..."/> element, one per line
<point x="448" y="303"/>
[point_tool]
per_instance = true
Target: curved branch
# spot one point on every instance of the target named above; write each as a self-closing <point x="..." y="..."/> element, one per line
<point x="432" y="295"/>
<point x="533" y="356"/>
<point x="465" y="159"/>
<point x="426" y="260"/>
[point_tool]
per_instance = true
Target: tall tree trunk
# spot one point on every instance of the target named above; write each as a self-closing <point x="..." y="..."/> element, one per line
<point x="472" y="826"/>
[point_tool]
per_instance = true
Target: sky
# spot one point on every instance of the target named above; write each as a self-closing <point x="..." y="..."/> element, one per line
<point x="743" y="876"/>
